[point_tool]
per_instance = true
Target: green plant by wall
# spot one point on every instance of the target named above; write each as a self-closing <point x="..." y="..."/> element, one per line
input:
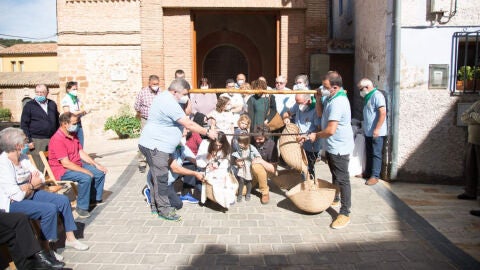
<point x="125" y="125"/>
<point x="5" y="114"/>
<point x="465" y="73"/>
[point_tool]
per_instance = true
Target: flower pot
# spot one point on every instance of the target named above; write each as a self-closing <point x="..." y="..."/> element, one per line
<point x="459" y="86"/>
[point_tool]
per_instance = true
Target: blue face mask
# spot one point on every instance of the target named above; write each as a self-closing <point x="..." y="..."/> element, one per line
<point x="40" y="99"/>
<point x="25" y="149"/>
<point x="72" y="128"/>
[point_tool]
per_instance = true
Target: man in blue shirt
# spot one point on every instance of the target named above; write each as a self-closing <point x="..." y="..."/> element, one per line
<point x="160" y="137"/>
<point x="337" y="130"/>
<point x="374" y="128"/>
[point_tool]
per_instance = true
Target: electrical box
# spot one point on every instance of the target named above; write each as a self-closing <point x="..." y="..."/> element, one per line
<point x="440" y="6"/>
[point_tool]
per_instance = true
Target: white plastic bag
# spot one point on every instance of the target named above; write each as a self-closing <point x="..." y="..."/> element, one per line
<point x="358" y="156"/>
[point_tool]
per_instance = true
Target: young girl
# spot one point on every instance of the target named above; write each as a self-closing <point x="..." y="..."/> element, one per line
<point x="222" y="117"/>
<point x="243" y="128"/>
<point x="244" y="157"/>
<point x="214" y="158"/>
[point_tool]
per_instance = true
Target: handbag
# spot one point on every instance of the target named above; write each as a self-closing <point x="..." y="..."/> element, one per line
<point x="277" y="120"/>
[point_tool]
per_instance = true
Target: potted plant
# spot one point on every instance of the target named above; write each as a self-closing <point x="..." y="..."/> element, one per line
<point x="5" y="114"/>
<point x="465" y="78"/>
<point x="126" y="125"/>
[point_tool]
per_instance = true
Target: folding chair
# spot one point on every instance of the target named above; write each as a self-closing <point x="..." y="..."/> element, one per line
<point x="62" y="186"/>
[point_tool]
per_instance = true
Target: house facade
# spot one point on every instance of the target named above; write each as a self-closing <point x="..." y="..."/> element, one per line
<point x="23" y="66"/>
<point x="411" y="53"/>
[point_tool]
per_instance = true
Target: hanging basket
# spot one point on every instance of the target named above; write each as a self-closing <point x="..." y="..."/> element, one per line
<point x="232" y="186"/>
<point x="292" y="152"/>
<point x="312" y="196"/>
<point x="287" y="179"/>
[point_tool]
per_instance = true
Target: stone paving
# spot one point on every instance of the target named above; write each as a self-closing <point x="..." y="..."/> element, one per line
<point x="385" y="233"/>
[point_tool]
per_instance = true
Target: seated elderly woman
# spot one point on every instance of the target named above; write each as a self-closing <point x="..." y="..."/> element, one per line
<point x="20" y="190"/>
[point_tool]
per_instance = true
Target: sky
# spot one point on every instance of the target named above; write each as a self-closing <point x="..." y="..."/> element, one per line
<point x="33" y="20"/>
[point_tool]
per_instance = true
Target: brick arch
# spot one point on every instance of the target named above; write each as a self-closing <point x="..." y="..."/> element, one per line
<point x="237" y="40"/>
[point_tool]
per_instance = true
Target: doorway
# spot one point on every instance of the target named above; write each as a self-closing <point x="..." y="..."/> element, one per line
<point x="221" y="62"/>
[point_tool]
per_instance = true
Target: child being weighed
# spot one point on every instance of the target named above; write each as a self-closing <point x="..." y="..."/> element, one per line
<point x="243" y="159"/>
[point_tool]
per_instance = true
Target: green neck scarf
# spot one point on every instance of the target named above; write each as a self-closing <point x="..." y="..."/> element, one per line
<point x="340" y="92"/>
<point x="369" y="95"/>
<point x="74" y="98"/>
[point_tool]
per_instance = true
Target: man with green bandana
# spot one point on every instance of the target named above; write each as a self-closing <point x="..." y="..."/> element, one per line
<point x="374" y="128"/>
<point x="337" y="131"/>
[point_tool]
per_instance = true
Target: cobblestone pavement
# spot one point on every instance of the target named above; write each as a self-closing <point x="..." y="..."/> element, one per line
<point x="385" y="233"/>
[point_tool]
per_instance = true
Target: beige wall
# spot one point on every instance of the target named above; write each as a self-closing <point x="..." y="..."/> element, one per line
<point x="30" y="63"/>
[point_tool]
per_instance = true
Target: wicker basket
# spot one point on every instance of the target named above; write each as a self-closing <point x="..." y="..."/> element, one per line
<point x="209" y="188"/>
<point x="312" y="196"/>
<point x="292" y="152"/>
<point x="287" y="179"/>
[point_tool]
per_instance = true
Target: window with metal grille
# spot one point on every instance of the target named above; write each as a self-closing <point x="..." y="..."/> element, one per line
<point x="465" y="71"/>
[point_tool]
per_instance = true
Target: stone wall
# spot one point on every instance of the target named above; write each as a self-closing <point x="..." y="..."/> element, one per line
<point x="109" y="78"/>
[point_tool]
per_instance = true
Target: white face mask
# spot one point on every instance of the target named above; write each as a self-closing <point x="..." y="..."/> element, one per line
<point x="363" y="93"/>
<point x="302" y="107"/>
<point x="299" y="86"/>
<point x="228" y="107"/>
<point x="203" y="87"/>
<point x="325" y="92"/>
<point x="183" y="100"/>
<point x="74" y="92"/>
<point x="240" y="82"/>
<point x="155" y="88"/>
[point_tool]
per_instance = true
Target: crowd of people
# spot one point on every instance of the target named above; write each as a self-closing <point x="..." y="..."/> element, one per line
<point x="196" y="138"/>
<point x="225" y="135"/>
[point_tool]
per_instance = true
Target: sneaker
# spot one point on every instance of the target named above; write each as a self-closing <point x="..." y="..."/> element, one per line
<point x="172" y="216"/>
<point x="82" y="213"/>
<point x="187" y="198"/>
<point x="239" y="198"/>
<point x="340" y="222"/>
<point x="247" y="197"/>
<point x="76" y="245"/>
<point x="146" y="193"/>
<point x="57" y="256"/>
<point x="465" y="196"/>
<point x="142" y="169"/>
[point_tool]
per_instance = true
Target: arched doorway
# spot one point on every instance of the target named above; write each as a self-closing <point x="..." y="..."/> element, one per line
<point x="224" y="54"/>
<point x="222" y="63"/>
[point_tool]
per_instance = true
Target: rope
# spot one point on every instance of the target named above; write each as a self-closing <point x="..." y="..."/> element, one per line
<point x="253" y="134"/>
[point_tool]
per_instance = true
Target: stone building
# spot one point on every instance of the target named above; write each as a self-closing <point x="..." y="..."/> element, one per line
<point x="111" y="46"/>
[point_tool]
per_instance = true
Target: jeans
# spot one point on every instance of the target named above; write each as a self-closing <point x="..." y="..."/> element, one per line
<point x="88" y="189"/>
<point x="80" y="136"/>
<point x="373" y="147"/>
<point x="45" y="206"/>
<point x="158" y="163"/>
<point x="338" y="165"/>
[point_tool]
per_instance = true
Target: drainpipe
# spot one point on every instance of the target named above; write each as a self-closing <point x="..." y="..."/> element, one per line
<point x="395" y="86"/>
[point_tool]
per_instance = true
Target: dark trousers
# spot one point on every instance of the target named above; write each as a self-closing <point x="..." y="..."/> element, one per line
<point x="472" y="169"/>
<point x="158" y="163"/>
<point x="15" y="230"/>
<point x="311" y="158"/>
<point x="373" y="148"/>
<point x="338" y="165"/>
<point x="244" y="182"/>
